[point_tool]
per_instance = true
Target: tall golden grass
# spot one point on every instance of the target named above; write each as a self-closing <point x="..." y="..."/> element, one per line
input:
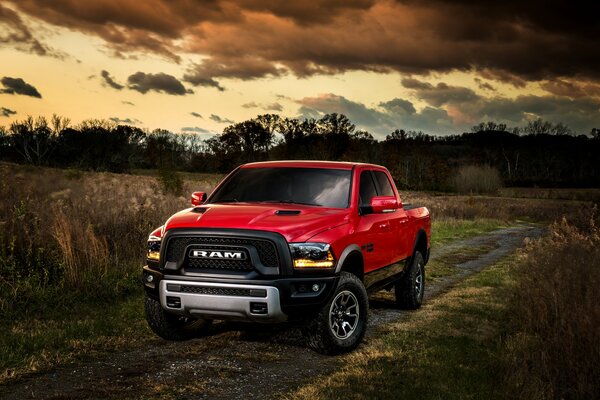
<point x="66" y="228"/>
<point x="555" y="350"/>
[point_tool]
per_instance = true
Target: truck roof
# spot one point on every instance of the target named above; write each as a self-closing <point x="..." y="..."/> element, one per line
<point x="306" y="164"/>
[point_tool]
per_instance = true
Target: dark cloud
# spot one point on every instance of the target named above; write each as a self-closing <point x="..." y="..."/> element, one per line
<point x="484" y="85"/>
<point x="273" y="107"/>
<point x="196" y="129"/>
<point x="307" y="13"/>
<point x="220" y="120"/>
<point x="195" y="78"/>
<point x="267" y="107"/>
<point x="195" y="114"/>
<point x="6" y="112"/>
<point x="238" y="67"/>
<point x="127" y="121"/>
<point x="110" y="81"/>
<point x="160" y="82"/>
<point x="399" y="106"/>
<point x="18" y="86"/>
<point x="503" y="76"/>
<point x="441" y="93"/>
<point x="16" y="33"/>
<point x="412" y="83"/>
<point x="511" y="41"/>
<point x="571" y="88"/>
<point x="129" y="103"/>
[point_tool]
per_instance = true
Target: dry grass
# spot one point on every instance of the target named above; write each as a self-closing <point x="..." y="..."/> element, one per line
<point x="555" y="350"/>
<point x="581" y="194"/>
<point x="64" y="228"/>
<point x="477" y="179"/>
<point x="458" y="207"/>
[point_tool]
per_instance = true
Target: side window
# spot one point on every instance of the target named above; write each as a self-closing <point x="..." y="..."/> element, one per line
<point x="385" y="187"/>
<point x="367" y="188"/>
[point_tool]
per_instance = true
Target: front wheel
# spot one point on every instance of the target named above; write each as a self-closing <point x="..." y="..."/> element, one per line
<point x="173" y="327"/>
<point x="341" y="324"/>
<point x="411" y="287"/>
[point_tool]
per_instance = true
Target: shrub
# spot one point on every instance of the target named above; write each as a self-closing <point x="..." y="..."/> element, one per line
<point x="171" y="182"/>
<point x="554" y="351"/>
<point x="477" y="179"/>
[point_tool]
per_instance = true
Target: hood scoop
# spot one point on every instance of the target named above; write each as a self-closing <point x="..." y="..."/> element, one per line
<point x="200" y="210"/>
<point x="287" y="212"/>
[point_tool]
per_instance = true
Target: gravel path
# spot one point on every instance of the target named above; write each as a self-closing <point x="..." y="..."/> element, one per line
<point x="238" y="360"/>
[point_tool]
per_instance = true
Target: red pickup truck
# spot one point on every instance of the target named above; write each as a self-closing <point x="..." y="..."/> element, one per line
<point x="288" y="240"/>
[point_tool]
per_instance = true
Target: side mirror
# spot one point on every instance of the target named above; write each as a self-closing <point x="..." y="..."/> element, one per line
<point x="384" y="204"/>
<point x="198" y="198"/>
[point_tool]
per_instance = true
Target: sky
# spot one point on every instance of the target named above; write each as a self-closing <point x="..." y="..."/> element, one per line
<point x="198" y="66"/>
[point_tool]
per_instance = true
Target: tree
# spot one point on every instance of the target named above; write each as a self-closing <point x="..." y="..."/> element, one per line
<point x="33" y="139"/>
<point x="398" y="134"/>
<point x="489" y="126"/>
<point x="161" y="149"/>
<point x="336" y="130"/>
<point x="270" y="123"/>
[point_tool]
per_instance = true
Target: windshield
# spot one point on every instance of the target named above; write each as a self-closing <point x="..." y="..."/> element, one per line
<point x="311" y="186"/>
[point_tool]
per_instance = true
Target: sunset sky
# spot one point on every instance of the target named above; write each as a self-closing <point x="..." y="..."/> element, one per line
<point x="198" y="66"/>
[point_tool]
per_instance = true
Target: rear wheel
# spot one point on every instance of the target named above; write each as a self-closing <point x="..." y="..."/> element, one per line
<point x="341" y="325"/>
<point x="411" y="288"/>
<point x="173" y="327"/>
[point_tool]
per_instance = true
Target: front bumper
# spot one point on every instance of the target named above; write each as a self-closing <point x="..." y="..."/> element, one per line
<point x="222" y="300"/>
<point x="272" y="300"/>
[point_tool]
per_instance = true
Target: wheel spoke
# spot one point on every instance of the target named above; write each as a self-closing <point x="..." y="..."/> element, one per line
<point x="344" y="300"/>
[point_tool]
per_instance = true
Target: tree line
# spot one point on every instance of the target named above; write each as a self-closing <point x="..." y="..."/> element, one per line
<point x="540" y="153"/>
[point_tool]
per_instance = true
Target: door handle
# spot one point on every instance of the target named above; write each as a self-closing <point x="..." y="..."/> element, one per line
<point x="384" y="226"/>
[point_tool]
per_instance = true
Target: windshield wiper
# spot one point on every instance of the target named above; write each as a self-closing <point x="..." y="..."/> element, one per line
<point x="287" y="201"/>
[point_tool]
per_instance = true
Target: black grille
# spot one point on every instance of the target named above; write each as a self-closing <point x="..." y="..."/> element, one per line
<point x="222" y="291"/>
<point x="265" y="248"/>
<point x="220" y="263"/>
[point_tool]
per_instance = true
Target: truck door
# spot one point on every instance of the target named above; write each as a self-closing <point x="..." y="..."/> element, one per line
<point x="372" y="228"/>
<point x="397" y="237"/>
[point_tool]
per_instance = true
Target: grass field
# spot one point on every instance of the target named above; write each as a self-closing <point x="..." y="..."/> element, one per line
<point x="72" y="244"/>
<point x="450" y="349"/>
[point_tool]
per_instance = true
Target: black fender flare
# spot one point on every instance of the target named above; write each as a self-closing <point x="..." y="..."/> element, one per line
<point x="352" y="248"/>
<point x="421" y="236"/>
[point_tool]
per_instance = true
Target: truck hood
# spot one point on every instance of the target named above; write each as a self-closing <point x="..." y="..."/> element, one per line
<point x="296" y="223"/>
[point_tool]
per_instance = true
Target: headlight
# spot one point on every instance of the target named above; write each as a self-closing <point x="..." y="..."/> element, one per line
<point x="312" y="255"/>
<point x="153" y="248"/>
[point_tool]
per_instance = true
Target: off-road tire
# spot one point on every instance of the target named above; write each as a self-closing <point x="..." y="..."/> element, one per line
<point x="409" y="290"/>
<point x="173" y="327"/>
<point x="318" y="329"/>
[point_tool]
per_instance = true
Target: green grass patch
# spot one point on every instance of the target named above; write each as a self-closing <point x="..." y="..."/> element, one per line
<point x="450" y="349"/>
<point x="62" y="326"/>
<point x="450" y="229"/>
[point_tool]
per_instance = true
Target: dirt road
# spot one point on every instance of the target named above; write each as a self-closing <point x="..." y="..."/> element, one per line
<point x="241" y="361"/>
